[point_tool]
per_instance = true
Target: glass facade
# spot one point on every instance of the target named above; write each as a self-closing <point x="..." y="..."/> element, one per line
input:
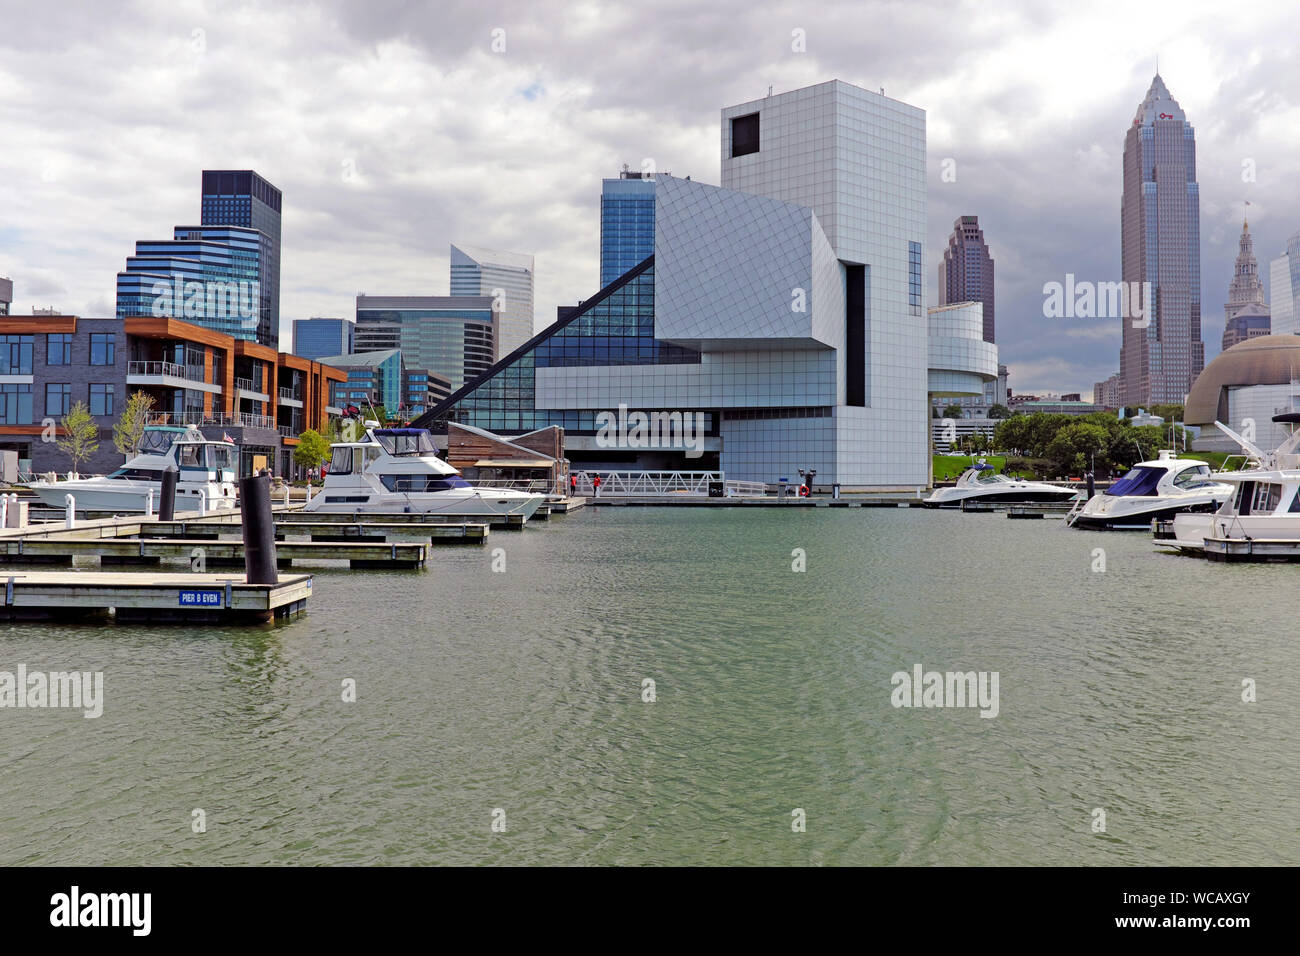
<point x="240" y="197"/>
<point x="508" y="278"/>
<point x="313" y="338"/>
<point x="15" y="404"/>
<point x="615" y="327"/>
<point x="15" y="355"/>
<point x="454" y="343"/>
<point x="627" y="224"/>
<point x="213" y="276"/>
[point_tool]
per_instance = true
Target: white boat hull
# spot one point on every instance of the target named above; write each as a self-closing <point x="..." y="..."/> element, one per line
<point x="122" y="497"/>
<point x="478" y="503"/>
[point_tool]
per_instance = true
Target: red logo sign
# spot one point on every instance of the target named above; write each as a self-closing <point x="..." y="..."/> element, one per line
<point x="1166" y="115"/>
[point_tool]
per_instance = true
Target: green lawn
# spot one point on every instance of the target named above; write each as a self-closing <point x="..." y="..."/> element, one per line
<point x="949" y="467"/>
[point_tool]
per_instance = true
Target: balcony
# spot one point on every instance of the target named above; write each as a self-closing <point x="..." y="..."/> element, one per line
<point x="170" y="375"/>
<point x="247" y="388"/>
<point x="289" y="399"/>
<point x="237" y="420"/>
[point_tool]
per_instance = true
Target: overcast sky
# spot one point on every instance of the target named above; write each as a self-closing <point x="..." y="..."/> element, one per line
<point x="394" y="129"/>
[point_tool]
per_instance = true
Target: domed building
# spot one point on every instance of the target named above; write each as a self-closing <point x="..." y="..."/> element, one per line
<point x="1250" y="382"/>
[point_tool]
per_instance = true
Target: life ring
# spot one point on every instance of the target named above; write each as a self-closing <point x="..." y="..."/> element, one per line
<point x="803" y="491"/>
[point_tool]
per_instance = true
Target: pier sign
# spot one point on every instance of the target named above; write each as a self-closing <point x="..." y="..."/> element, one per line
<point x="200" y="599"/>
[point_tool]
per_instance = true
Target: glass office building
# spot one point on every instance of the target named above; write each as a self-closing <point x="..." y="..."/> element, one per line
<point x="315" y="337"/>
<point x="240" y="197"/>
<point x="1160" y="242"/>
<point x="450" y="336"/>
<point x="507" y="278"/>
<point x="374" y="378"/>
<point x="627" y="224"/>
<point x="209" y="275"/>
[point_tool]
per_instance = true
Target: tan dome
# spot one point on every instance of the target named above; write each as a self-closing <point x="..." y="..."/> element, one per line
<point x="1266" y="360"/>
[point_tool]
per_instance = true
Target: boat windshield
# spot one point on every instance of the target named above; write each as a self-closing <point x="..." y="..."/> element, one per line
<point x="156" y="441"/>
<point x="988" y="478"/>
<point x="406" y="441"/>
<point x="221" y="456"/>
<point x="1140" y="481"/>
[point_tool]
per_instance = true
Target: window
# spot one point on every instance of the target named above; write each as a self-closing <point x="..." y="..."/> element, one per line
<point x="1191" y="476"/>
<point x="15" y="355"/>
<point x="58" y="349"/>
<point x="15" y="404"/>
<point x="101" y="399"/>
<point x="58" y="398"/>
<point x="102" y="348"/>
<point x="744" y="135"/>
<point x="341" y="462"/>
<point x="914" y="277"/>
<point x="190" y="455"/>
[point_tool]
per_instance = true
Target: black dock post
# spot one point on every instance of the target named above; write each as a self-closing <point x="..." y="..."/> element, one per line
<point x="258" y="526"/>
<point x="167" y="503"/>
<point x="1092" y="486"/>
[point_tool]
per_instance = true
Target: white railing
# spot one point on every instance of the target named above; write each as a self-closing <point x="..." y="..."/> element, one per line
<point x="288" y="393"/>
<point x="170" y="369"/>
<point x="660" y="484"/>
<point x="198" y="418"/>
<point x="246" y="384"/>
<point x="537" y="486"/>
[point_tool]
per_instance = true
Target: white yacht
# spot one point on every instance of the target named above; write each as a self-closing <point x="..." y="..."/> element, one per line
<point x="979" y="482"/>
<point x="1155" y="489"/>
<point x="206" y="469"/>
<point x="1260" y="518"/>
<point x="398" y="470"/>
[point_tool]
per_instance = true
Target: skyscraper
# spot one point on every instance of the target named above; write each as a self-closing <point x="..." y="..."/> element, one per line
<point x="627" y="223"/>
<point x="450" y="336"/>
<point x="1160" y="241"/>
<point x="240" y="197"/>
<point x="966" y="272"/>
<point x="1284" y="277"/>
<point x="507" y="277"/>
<point x="315" y="337"/>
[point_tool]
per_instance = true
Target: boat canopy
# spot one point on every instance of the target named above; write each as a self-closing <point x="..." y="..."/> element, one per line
<point x="405" y="441"/>
<point x="1140" y="481"/>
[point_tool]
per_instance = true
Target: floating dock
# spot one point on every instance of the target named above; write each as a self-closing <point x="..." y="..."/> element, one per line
<point x="202" y="598"/>
<point x="324" y="531"/>
<point x="1252" y="549"/>
<point x="206" y="552"/>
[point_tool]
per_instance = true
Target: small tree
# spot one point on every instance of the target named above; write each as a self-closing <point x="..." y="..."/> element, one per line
<point x="130" y="427"/>
<point x="82" y="434"/>
<point x="954" y="411"/>
<point x="313" y="448"/>
<point x="999" y="411"/>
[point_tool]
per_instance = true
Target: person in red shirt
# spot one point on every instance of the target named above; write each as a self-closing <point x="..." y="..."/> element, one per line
<point x="573" y="485"/>
<point x="595" y="483"/>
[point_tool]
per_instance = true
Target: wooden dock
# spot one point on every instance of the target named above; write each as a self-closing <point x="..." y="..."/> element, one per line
<point x="324" y="531"/>
<point x="1251" y="549"/>
<point x="206" y="598"/>
<point x="207" y="552"/>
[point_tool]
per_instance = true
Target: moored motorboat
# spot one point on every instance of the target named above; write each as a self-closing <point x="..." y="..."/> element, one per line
<point x="981" y="483"/>
<point x="1151" y="490"/>
<point x="398" y="470"/>
<point x="205" y="476"/>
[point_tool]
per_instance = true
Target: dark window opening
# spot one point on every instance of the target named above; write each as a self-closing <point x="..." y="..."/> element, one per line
<point x="855" y="337"/>
<point x="744" y="135"/>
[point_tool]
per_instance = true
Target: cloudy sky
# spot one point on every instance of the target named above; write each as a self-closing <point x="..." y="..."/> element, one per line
<point x="394" y="128"/>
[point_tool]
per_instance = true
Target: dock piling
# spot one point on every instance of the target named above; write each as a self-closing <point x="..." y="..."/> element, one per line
<point x="70" y="519"/>
<point x="258" y="526"/>
<point x="167" y="505"/>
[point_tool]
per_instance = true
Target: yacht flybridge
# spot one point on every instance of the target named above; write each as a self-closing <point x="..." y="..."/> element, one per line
<point x="206" y="470"/>
<point x="1155" y="489"/>
<point x="981" y="483"/>
<point x="1261" y="517"/>
<point x="398" y="470"/>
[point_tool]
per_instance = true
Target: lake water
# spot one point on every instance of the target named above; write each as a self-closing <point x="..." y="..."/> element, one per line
<point x="522" y="691"/>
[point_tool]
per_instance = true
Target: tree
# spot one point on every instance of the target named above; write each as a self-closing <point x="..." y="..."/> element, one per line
<point x="1074" y="447"/>
<point x="81" y="438"/>
<point x="1170" y="413"/>
<point x="130" y="427"/>
<point x="313" y="448"/>
<point x="954" y="411"/>
<point x="999" y="411"/>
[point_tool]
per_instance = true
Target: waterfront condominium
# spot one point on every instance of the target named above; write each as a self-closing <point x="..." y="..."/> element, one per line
<point x="505" y="277"/>
<point x="240" y="197"/>
<point x="966" y="270"/>
<point x="783" y="312"/>
<point x="317" y="337"/>
<point x="1161" y="354"/>
<point x="448" y="336"/>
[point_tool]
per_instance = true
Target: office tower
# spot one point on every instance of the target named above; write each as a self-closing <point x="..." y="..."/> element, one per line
<point x="450" y="336"/>
<point x="315" y="337"/>
<point x="1284" y="286"/>
<point x="966" y="271"/>
<point x="240" y="197"/>
<point x="1246" y="313"/>
<point x="627" y="223"/>
<point x="212" y="276"/>
<point x="1162" y="353"/>
<point x="507" y="278"/>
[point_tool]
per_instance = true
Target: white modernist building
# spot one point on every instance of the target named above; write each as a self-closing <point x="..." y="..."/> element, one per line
<point x="784" y="310"/>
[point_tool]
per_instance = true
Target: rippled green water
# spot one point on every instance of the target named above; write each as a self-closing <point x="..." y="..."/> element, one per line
<point x="522" y="691"/>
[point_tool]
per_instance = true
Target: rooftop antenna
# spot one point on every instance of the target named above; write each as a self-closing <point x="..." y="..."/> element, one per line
<point x="769" y="89"/>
